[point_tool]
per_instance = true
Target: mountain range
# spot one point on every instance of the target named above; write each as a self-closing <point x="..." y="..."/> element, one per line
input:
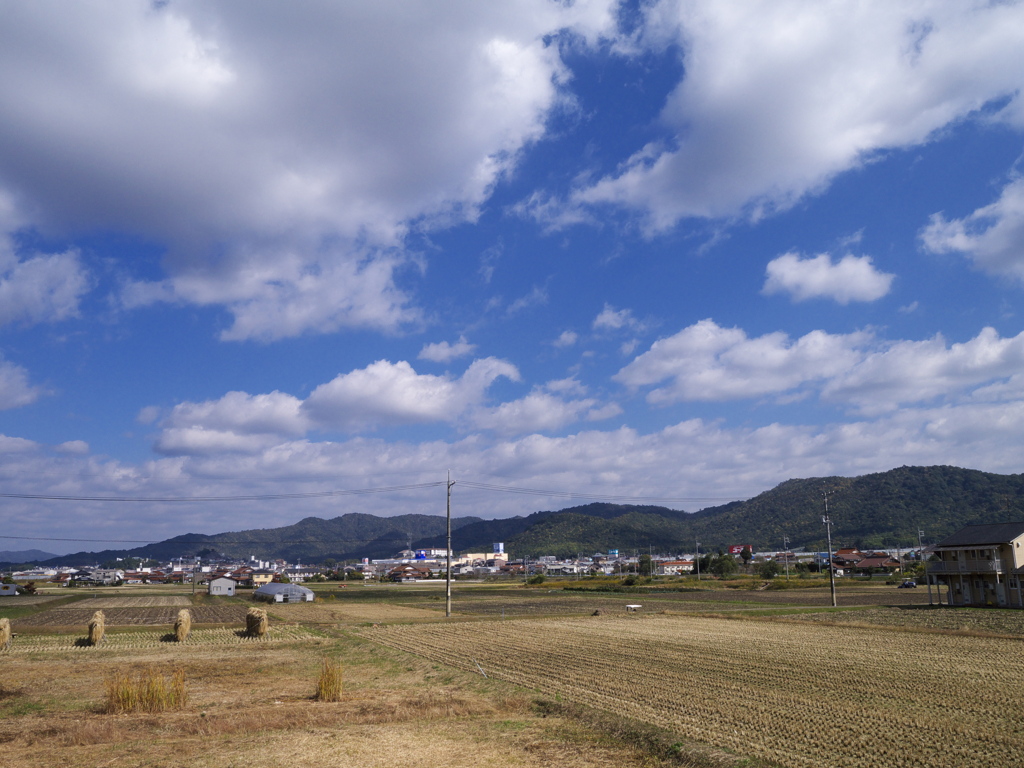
<point x="885" y="509"/>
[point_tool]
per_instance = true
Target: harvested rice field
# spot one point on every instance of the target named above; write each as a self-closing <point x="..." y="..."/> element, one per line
<point x="78" y="614"/>
<point x="116" y="641"/>
<point x="980" y="620"/>
<point x="799" y="695"/>
<point x="331" y="612"/>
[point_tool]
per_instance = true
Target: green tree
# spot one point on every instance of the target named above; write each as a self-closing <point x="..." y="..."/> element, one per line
<point x="646" y="565"/>
<point x="769" y="569"/>
<point x="724" y="566"/>
<point x="747" y="555"/>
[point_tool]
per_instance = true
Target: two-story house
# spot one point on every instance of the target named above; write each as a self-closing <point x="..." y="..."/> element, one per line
<point x="981" y="565"/>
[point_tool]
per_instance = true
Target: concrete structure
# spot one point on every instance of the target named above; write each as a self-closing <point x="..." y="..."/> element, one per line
<point x="9" y="590"/>
<point x="223" y="586"/>
<point x="981" y="565"/>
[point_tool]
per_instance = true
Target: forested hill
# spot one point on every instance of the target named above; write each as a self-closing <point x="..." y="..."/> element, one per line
<point x="881" y="509"/>
<point x="878" y="510"/>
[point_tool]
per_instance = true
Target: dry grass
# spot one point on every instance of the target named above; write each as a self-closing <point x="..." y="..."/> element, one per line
<point x="149" y="691"/>
<point x="183" y="625"/>
<point x="97" y="626"/>
<point x="256" y="624"/>
<point x="328" y="685"/>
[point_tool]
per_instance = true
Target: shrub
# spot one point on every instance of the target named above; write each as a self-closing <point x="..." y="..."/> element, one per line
<point x="183" y="625"/>
<point x="538" y="579"/>
<point x="328" y="687"/>
<point x="97" y="626"/>
<point x="256" y="624"/>
<point x="148" y="692"/>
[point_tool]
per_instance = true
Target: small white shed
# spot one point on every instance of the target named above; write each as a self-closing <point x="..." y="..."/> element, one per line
<point x="222" y="585"/>
<point x="8" y="589"/>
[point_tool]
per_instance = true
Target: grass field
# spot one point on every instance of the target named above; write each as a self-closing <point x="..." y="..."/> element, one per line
<point x="711" y="678"/>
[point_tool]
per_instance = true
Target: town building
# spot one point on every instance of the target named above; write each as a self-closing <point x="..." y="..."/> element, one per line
<point x="980" y="565"/>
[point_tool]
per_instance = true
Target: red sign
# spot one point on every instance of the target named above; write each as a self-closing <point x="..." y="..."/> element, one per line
<point x="737" y="549"/>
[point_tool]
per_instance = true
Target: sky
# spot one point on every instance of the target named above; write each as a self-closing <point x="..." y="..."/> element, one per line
<point x="265" y="261"/>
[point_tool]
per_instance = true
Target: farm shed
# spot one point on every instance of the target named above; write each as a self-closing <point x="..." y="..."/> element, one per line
<point x="283" y="593"/>
<point x="8" y="589"/>
<point x="222" y="586"/>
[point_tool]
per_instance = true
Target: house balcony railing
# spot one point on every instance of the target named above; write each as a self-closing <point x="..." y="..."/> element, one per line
<point x="966" y="566"/>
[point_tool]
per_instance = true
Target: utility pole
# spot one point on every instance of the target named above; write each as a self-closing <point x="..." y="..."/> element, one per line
<point x="696" y="558"/>
<point x="785" y="546"/>
<point x="831" y="569"/>
<point x="448" y="570"/>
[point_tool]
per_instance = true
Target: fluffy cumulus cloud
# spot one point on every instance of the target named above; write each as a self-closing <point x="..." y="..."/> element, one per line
<point x="387" y="394"/>
<point x="852" y="278"/>
<point x="918" y="371"/>
<point x="236" y="422"/>
<point x="708" y="362"/>
<point x="443" y="352"/>
<point x="780" y="97"/>
<point x="992" y="237"/>
<point x="611" y="319"/>
<point x="15" y="388"/>
<point x="295" y="146"/>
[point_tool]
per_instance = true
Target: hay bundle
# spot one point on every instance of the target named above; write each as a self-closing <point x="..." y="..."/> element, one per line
<point x="256" y="622"/>
<point x="183" y="625"/>
<point x="97" y="625"/>
<point x="5" y="634"/>
<point x="329" y="686"/>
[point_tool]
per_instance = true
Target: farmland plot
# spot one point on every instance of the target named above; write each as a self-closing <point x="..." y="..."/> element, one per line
<point x="76" y="615"/>
<point x="137" y="601"/>
<point x="120" y="641"/>
<point x="801" y="695"/>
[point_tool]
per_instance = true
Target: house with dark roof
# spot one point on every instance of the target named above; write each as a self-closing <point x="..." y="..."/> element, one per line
<point x="980" y="565"/>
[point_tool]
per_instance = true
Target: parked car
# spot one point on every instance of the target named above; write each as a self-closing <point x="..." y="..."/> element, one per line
<point x="907" y="584"/>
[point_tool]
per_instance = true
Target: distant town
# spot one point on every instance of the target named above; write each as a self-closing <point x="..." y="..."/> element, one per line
<point x="426" y="564"/>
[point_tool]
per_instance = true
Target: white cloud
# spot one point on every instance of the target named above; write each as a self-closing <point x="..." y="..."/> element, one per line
<point x="75" y="447"/>
<point x="41" y="288"/>
<point x="386" y="393"/>
<point x="992" y="236"/>
<point x="15" y="389"/>
<point x="707" y="362"/>
<point x="236" y="422"/>
<point x="780" y="97"/>
<point x="565" y="339"/>
<point x="853" y="278"/>
<point x="919" y="371"/>
<point x="443" y="352"/>
<point x="538" y="296"/>
<point x="611" y="319"/>
<point x="295" y="146"/>
<point x="537" y="412"/>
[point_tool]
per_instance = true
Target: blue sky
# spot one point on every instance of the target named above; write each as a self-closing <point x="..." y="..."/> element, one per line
<point x="665" y="251"/>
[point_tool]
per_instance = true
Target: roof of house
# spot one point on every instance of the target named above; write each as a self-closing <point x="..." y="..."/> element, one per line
<point x="978" y="535"/>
